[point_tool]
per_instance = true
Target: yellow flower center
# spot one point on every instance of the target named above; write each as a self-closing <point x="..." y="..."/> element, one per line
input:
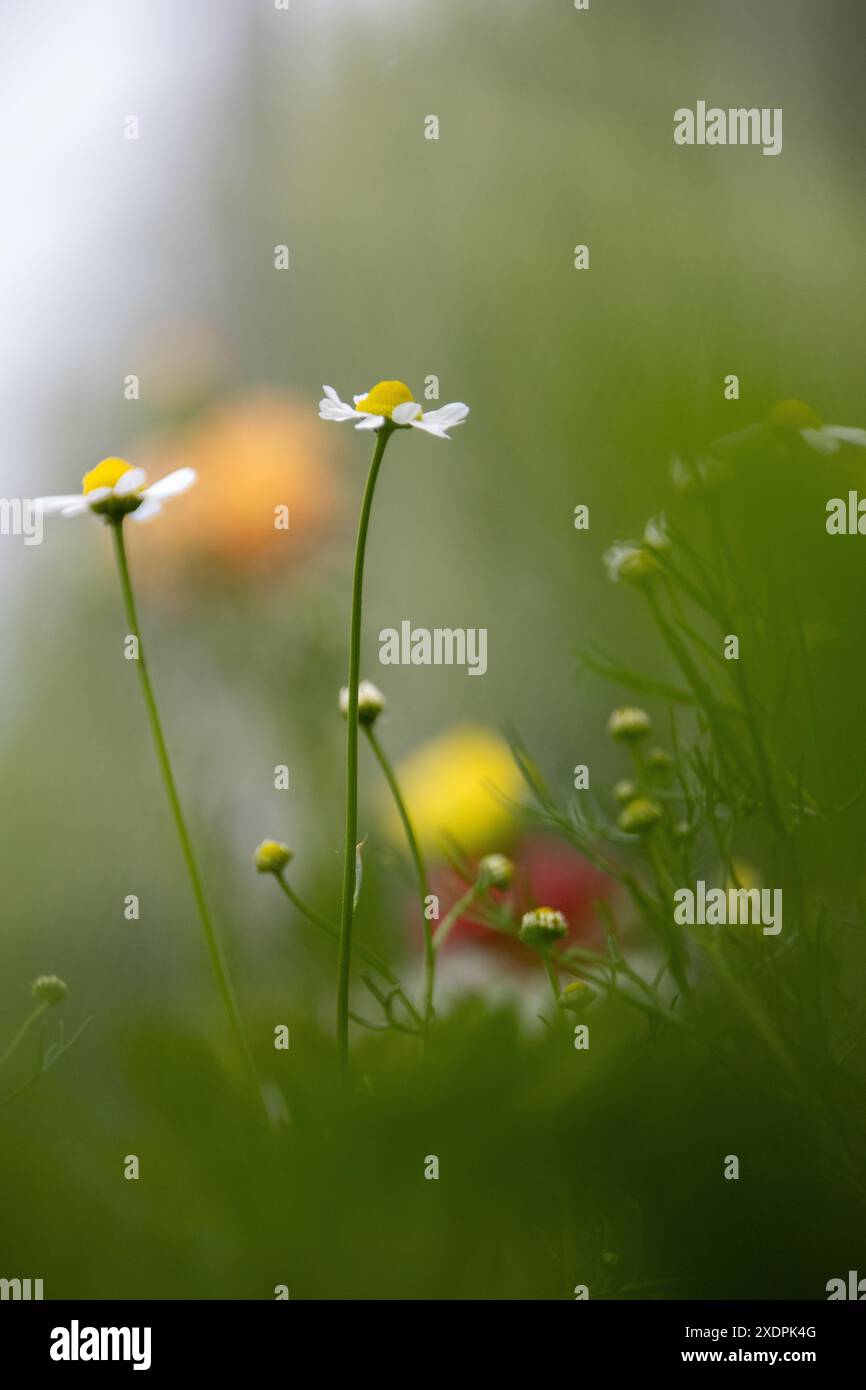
<point x="794" y="415"/>
<point x="105" y="474"/>
<point x="383" y="398"/>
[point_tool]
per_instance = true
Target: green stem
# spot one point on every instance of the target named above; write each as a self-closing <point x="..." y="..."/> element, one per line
<point x="703" y="692"/>
<point x="443" y="930"/>
<point x="386" y="1002"/>
<point x="351" y="831"/>
<point x="418" y="862"/>
<point x="306" y="911"/>
<point x="552" y="977"/>
<point x="671" y="937"/>
<point x="25" y="1026"/>
<point x="817" y="728"/>
<point x="211" y="940"/>
<point x="324" y="925"/>
<point x="365" y="1023"/>
<point x="753" y="1011"/>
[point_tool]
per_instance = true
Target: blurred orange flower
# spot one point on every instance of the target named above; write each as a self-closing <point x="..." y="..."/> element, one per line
<point x="268" y="490"/>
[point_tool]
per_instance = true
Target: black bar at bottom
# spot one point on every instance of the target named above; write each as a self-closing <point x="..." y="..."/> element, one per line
<point x="73" y="1338"/>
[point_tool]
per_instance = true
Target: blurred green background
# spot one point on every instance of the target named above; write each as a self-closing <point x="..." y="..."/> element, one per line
<point x="408" y="257"/>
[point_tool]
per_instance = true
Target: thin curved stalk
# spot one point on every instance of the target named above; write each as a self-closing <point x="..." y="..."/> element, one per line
<point x="220" y="971"/>
<point x="418" y="862"/>
<point x="344" y="963"/>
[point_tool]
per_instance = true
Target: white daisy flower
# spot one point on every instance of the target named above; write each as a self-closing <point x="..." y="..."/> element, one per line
<point x="392" y="401"/>
<point x="824" y="439"/>
<point x="114" y="489"/>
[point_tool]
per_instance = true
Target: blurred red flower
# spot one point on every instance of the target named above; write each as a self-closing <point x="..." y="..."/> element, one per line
<point x="547" y="873"/>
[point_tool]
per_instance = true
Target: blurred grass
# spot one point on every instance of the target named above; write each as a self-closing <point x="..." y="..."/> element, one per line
<point x="603" y="1168"/>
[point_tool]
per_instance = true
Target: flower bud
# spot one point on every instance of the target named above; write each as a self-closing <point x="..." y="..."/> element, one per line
<point x="629" y="725"/>
<point x="625" y="792"/>
<point x="495" y="871"/>
<point x="659" y="764"/>
<point x="542" y="926"/>
<point x="576" y="996"/>
<point x="371" y="702"/>
<point x="631" y="564"/>
<point x="640" y="816"/>
<point x="49" y="989"/>
<point x="271" y="857"/>
<point x="793" y="415"/>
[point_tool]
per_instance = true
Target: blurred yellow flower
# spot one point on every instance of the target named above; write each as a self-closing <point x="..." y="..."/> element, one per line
<point x="450" y="786"/>
<point x="747" y="876"/>
<point x="267" y="492"/>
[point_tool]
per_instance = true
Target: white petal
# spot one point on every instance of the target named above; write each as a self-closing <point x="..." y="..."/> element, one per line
<point x="96" y="494"/>
<point x="172" y="485"/>
<point x="448" y="415"/>
<point x="370" y="422"/>
<point x="335" y="410"/>
<point x="428" y="428"/>
<point x="363" y="396"/>
<point x="820" y="441"/>
<point x="77" y="506"/>
<point x="130" y="481"/>
<point x="655" y="533"/>
<point x="402" y="414"/>
<point x="331" y="394"/>
<point x="51" y="505"/>
<point x="848" y="434"/>
<point x="437" y="422"/>
<point x="149" y="508"/>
